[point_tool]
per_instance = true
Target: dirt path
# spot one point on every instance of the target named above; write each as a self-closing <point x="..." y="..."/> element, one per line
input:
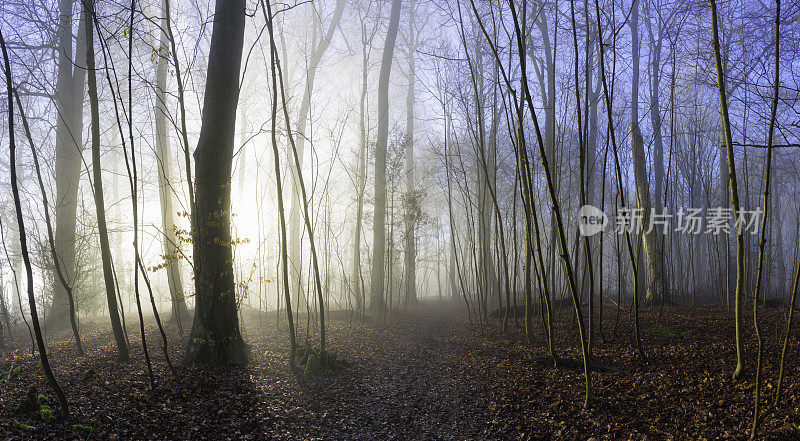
<point x="413" y="384"/>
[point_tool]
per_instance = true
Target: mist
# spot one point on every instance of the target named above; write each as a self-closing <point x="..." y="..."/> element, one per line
<point x="327" y="195"/>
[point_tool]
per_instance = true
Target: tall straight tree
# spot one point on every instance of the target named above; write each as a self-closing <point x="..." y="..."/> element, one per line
<point x="762" y="235"/>
<point x="356" y="277"/>
<point x="70" y="89"/>
<point x="97" y="175"/>
<point x="410" y="216"/>
<point x="545" y="69"/>
<point x="638" y="160"/>
<point x="165" y="189"/>
<point x="734" y="193"/>
<point x="215" y="335"/>
<point x="379" y="225"/>
<point x="268" y="17"/>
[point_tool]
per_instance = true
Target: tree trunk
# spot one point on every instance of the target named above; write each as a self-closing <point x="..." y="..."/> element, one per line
<point x="762" y="234"/>
<point x="379" y="225"/>
<point x="284" y="255"/>
<point x="97" y="175"/>
<point x="215" y="335"/>
<point x="726" y="131"/>
<point x="51" y="379"/>
<point x="69" y="130"/>
<point x="411" y="200"/>
<point x="653" y="256"/>
<point x="165" y="179"/>
<point x="356" y="277"/>
<point x="635" y="77"/>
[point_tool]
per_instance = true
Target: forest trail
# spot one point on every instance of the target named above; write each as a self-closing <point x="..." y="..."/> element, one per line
<point x="413" y="383"/>
<point x="409" y="381"/>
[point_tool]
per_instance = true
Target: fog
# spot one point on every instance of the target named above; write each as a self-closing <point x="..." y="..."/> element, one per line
<point x="493" y="156"/>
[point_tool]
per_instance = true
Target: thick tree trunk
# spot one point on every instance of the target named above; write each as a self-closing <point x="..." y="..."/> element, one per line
<point x="379" y="225"/>
<point x="655" y="120"/>
<point x="69" y="129"/>
<point x="635" y="77"/>
<point x="215" y="335"/>
<point x="658" y="152"/>
<point x="655" y="287"/>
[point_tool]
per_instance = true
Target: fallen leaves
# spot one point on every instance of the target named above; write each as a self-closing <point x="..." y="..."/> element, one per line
<point x="428" y="375"/>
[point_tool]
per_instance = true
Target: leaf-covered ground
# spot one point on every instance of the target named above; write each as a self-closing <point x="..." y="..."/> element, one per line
<point x="423" y="375"/>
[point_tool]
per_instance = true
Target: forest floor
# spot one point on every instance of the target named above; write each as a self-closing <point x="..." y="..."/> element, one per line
<point x="423" y="375"/>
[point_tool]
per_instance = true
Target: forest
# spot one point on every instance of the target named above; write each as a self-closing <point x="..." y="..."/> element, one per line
<point x="400" y="219"/>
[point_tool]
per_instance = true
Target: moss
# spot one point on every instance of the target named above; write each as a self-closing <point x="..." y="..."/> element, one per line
<point x="303" y="353"/>
<point x="313" y="360"/>
<point x="666" y="332"/>
<point x="24" y="427"/>
<point x="310" y="371"/>
<point x="82" y="428"/>
<point x="46" y="413"/>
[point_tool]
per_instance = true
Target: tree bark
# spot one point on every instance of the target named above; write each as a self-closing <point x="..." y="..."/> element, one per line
<point x="653" y="256"/>
<point x="215" y="335"/>
<point x="726" y="131"/>
<point x="97" y="175"/>
<point x="69" y="129"/>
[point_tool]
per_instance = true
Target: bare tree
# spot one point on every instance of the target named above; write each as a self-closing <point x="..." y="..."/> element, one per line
<point x="48" y="372"/>
<point x="70" y="91"/>
<point x="379" y="226"/>
<point x="165" y="179"/>
<point x="305" y="107"/>
<point x="726" y="130"/>
<point x="99" y="202"/>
